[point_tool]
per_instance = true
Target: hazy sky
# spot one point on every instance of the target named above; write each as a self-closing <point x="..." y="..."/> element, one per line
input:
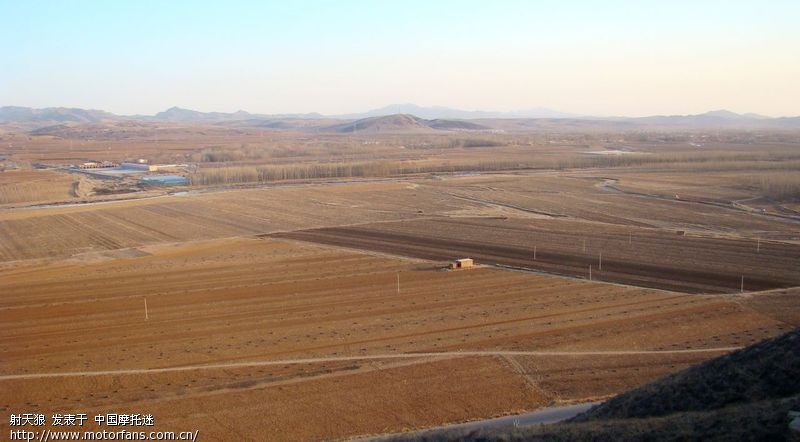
<point x="590" y="57"/>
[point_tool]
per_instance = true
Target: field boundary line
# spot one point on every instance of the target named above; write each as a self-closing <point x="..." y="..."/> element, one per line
<point x="361" y="358"/>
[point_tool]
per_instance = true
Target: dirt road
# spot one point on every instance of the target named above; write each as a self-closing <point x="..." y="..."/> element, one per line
<point x="360" y="358"/>
<point x="544" y="416"/>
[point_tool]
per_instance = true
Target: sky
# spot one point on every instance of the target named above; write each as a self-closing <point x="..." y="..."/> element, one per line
<point x="609" y="57"/>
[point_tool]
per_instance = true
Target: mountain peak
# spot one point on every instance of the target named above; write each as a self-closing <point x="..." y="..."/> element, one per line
<point x="404" y="122"/>
<point x="443" y="112"/>
<point x="722" y="113"/>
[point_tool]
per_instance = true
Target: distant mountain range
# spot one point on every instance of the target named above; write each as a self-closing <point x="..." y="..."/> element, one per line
<point x="405" y="117"/>
<point x="16" y="114"/>
<point x="177" y="114"/>
<point x="441" y="112"/>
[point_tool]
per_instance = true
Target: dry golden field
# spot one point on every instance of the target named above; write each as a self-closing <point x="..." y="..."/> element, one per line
<point x="273" y="306"/>
<point x="17" y="186"/>
<point x="311" y="342"/>
<point x="65" y="231"/>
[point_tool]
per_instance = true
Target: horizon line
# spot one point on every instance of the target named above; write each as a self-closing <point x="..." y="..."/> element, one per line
<point x="566" y="114"/>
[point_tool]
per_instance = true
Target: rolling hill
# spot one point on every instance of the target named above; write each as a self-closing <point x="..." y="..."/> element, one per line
<point x="768" y="370"/>
<point x="17" y="114"/>
<point x="745" y="395"/>
<point x="406" y="118"/>
<point x="442" y="112"/>
<point x="402" y="123"/>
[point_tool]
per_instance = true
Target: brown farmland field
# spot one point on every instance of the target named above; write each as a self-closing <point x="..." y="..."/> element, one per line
<point x="310" y="302"/>
<point x="63" y="232"/>
<point x="651" y="258"/>
<point x="18" y="186"/>
<point x="282" y="328"/>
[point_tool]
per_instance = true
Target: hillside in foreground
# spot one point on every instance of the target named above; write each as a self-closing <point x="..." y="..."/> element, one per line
<point x="745" y="395"/>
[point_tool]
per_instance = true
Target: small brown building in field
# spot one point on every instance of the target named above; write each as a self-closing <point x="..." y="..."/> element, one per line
<point x="463" y="263"/>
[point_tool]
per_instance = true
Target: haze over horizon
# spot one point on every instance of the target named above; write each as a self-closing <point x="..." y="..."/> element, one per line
<point x="620" y="58"/>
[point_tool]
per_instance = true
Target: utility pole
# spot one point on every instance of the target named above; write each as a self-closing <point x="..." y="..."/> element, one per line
<point x="534" y="253"/>
<point x="758" y="245"/>
<point x="146" y="316"/>
<point x="398" y="283"/>
<point x="741" y="287"/>
<point x="600" y="264"/>
<point x="590" y="272"/>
